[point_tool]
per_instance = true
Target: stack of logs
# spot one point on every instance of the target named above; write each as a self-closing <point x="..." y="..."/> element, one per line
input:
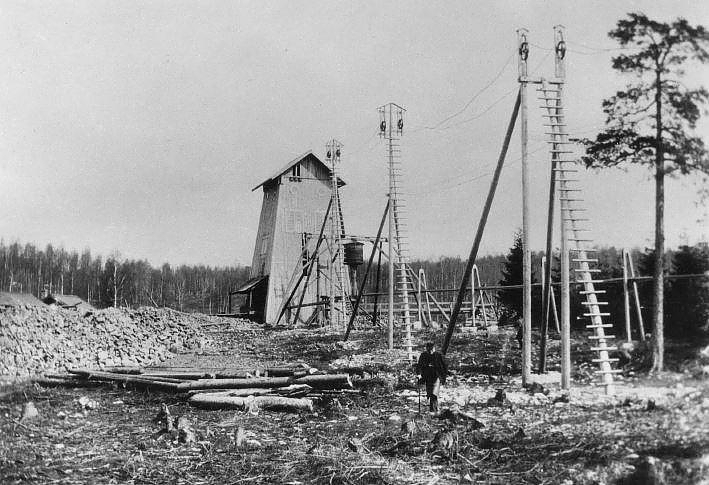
<point x="290" y="388"/>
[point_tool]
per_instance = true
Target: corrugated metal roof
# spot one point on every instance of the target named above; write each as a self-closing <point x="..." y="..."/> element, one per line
<point x="290" y="164"/>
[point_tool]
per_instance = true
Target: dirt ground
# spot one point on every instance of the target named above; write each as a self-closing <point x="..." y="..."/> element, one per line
<point x="653" y="430"/>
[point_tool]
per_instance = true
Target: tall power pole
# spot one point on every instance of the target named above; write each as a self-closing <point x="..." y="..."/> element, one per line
<point x="565" y="208"/>
<point x="391" y="127"/>
<point x="337" y="270"/>
<point x="523" y="50"/>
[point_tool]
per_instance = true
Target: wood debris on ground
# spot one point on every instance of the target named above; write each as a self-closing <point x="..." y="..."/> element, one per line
<point x="490" y="430"/>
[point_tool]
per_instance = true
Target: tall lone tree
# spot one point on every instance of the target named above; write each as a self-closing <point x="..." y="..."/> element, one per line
<point x="652" y="120"/>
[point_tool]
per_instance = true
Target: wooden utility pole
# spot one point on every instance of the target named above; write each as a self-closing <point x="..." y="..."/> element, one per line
<point x="626" y="299"/>
<point x="628" y="265"/>
<point x="566" y="226"/>
<point x="523" y="49"/>
<point x="391" y="126"/>
<point x="390" y="195"/>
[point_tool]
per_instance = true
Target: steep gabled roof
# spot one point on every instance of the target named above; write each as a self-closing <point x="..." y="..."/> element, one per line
<point x="289" y="165"/>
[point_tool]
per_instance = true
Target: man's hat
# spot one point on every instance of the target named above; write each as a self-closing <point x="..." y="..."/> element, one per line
<point x="430" y="345"/>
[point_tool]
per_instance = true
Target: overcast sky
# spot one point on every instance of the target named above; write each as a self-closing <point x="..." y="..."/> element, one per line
<point x="142" y="126"/>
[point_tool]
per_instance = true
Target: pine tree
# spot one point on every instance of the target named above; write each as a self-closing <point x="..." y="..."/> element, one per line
<point x="512" y="275"/>
<point x="650" y="122"/>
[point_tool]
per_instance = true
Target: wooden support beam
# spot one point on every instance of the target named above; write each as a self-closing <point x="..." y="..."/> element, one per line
<point x="546" y="298"/>
<point x="306" y="274"/>
<point x="481" y="225"/>
<point x="366" y="273"/>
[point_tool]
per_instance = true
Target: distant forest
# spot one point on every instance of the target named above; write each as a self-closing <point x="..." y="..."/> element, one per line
<point x="101" y="282"/>
<point x="198" y="288"/>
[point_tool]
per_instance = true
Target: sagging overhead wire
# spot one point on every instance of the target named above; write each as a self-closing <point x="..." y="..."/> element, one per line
<point x="442" y="185"/>
<point x="594" y="51"/>
<point x="471" y="100"/>
<point x="599" y="49"/>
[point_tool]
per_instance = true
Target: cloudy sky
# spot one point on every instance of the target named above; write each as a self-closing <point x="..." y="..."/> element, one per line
<point x="142" y="126"/>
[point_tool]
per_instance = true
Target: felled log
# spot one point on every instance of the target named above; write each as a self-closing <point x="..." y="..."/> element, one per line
<point x="226" y="374"/>
<point x="326" y="381"/>
<point x="134" y="380"/>
<point x="113" y="376"/>
<point x="295" y="390"/>
<point x="62" y="382"/>
<point x="360" y="371"/>
<point x="189" y="376"/>
<point x="123" y="370"/>
<point x="221" y="401"/>
<point x="192" y="373"/>
<point x="257" y="382"/>
<point x="264" y="391"/>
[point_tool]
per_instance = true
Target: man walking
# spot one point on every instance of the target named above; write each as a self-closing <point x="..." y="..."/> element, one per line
<point x="432" y="370"/>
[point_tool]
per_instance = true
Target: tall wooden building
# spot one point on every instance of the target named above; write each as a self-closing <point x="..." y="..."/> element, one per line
<point x="295" y="200"/>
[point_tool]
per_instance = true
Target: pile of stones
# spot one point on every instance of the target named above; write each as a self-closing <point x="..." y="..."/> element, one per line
<point x="36" y="340"/>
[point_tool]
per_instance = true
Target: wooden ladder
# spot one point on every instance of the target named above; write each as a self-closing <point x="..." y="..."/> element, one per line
<point x="572" y="213"/>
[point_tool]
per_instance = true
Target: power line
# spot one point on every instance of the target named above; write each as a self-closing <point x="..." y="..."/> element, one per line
<point x="599" y="49"/>
<point x="471" y="100"/>
<point x="442" y="185"/>
<point x="479" y="115"/>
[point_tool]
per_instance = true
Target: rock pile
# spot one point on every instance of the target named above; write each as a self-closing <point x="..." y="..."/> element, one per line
<point x="35" y="340"/>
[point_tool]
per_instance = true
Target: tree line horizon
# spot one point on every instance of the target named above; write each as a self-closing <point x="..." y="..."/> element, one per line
<point x="115" y="281"/>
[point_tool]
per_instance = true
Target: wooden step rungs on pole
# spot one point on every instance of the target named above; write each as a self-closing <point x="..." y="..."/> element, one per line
<point x="601" y="337"/>
<point x="589" y="303"/>
<point x="592" y="292"/>
<point x="597" y="314"/>
<point x="604" y="349"/>
<point x="610" y="371"/>
<point x="610" y="359"/>
<point x="588" y="270"/>
<point x="603" y="325"/>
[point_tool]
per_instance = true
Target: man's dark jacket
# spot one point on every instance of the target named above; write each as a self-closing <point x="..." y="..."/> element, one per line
<point x="432" y="366"/>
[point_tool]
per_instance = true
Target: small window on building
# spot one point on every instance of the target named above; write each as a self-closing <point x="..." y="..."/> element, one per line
<point x="295" y="171"/>
<point x="294" y="221"/>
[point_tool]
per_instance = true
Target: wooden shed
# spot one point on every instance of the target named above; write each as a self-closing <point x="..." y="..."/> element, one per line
<point x="69" y="302"/>
<point x="295" y="201"/>
<point x="8" y="299"/>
